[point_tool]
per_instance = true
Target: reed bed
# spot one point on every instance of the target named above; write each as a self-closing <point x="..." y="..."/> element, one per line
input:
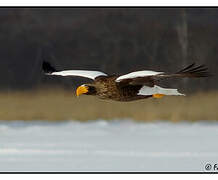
<point x="59" y="105"/>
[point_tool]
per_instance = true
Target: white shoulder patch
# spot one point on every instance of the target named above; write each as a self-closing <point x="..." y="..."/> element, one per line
<point x="137" y="74"/>
<point x="81" y="73"/>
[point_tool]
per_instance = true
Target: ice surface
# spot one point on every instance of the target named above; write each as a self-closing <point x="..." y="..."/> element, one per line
<point x="119" y="145"/>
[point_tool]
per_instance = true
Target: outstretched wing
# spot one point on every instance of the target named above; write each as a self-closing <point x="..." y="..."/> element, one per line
<point x="138" y="78"/>
<point x="49" y="70"/>
<point x="190" y="71"/>
<point x="150" y="77"/>
<point x="137" y="74"/>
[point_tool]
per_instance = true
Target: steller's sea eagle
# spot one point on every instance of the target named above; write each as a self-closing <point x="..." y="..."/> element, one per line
<point x="128" y="87"/>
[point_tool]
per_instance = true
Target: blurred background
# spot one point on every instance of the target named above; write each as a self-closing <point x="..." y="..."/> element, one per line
<point x="112" y="40"/>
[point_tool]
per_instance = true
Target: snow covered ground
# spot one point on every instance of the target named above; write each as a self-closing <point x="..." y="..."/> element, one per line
<point x="119" y="145"/>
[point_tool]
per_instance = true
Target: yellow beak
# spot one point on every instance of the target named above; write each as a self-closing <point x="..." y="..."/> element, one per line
<point x="81" y="90"/>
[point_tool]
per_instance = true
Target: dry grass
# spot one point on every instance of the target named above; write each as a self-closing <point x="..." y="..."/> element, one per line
<point x="63" y="105"/>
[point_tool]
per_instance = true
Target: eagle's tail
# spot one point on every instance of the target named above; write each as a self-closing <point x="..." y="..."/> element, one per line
<point x="158" y="91"/>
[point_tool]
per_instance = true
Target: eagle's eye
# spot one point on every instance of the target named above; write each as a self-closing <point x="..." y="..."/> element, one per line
<point x="83" y="89"/>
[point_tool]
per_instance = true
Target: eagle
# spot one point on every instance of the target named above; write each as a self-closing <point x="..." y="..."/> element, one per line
<point x="128" y="87"/>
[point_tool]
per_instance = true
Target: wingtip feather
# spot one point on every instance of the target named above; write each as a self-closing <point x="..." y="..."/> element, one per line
<point x="47" y="68"/>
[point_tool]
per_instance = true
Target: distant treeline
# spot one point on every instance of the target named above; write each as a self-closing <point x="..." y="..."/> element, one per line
<point x="113" y="40"/>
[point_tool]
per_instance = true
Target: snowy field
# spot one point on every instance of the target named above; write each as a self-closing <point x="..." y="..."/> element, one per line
<point x="120" y="145"/>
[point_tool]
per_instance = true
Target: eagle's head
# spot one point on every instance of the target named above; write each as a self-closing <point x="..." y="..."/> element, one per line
<point x="86" y="89"/>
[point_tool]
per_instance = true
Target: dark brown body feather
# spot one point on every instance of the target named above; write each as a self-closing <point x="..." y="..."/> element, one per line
<point x="107" y="88"/>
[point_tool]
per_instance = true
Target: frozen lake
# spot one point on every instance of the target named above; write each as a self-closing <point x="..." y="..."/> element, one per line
<point x="120" y="145"/>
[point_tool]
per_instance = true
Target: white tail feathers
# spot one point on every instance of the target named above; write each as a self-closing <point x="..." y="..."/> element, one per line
<point x="145" y="90"/>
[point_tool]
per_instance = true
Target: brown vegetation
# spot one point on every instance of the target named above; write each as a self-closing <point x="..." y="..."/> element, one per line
<point x="63" y="105"/>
